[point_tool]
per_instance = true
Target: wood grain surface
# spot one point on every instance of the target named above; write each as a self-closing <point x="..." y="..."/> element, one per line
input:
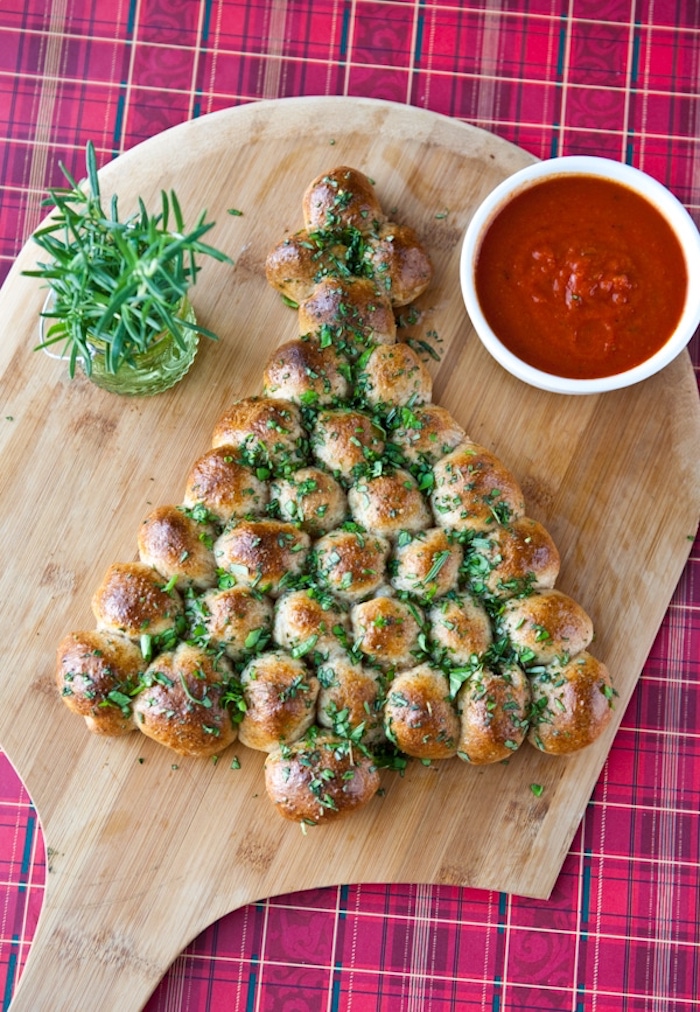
<point x="145" y="848"/>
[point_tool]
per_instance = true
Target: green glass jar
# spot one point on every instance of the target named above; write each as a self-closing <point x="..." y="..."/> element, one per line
<point x="161" y="367"/>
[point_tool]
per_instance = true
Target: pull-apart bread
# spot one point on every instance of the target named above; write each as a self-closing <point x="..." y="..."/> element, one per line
<point x="349" y="580"/>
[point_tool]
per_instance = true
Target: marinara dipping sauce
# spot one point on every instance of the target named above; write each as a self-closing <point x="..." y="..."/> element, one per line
<point x="580" y="277"/>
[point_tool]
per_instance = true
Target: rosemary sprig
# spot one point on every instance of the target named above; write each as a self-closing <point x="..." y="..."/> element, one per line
<point x="116" y="285"/>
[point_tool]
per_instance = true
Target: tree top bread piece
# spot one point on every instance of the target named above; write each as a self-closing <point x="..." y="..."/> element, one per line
<point x="350" y="581"/>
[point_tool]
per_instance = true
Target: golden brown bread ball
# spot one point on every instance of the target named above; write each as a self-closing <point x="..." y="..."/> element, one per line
<point x="546" y="626"/>
<point x="400" y="263"/>
<point x="236" y="618"/>
<point x="426" y="433"/>
<point x="426" y="563"/>
<point x="387" y="631"/>
<point x="267" y="428"/>
<point x="350" y="697"/>
<point x="460" y="629"/>
<point x="305" y="373"/>
<point x="474" y="490"/>
<point x="310" y="497"/>
<point x="351" y="312"/>
<point x="183" y="704"/>
<point x="518" y="557"/>
<point x="572" y="704"/>
<point x="309" y="625"/>
<point x="340" y="199"/>
<point x="320" y="779"/>
<point x="96" y="673"/>
<point x="132" y="599"/>
<point x="224" y="486"/>
<point x="351" y="563"/>
<point x="178" y="546"/>
<point x="262" y="554"/>
<point x="297" y="263"/>
<point x="280" y="697"/>
<point x="419" y="716"/>
<point x="389" y="503"/>
<point x="494" y="708"/>
<point x="345" y="441"/>
<point x="394" y="374"/>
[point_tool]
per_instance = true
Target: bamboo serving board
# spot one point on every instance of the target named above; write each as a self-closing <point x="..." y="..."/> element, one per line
<point x="145" y="848"/>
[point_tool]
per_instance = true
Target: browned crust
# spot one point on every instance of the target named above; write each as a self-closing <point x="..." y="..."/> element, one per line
<point x="131" y="599"/>
<point x="494" y="715"/>
<point x="389" y="503"/>
<point x="352" y="564"/>
<point x="473" y="489"/>
<point x="182" y="706"/>
<point x="419" y="716"/>
<point x="93" y="666"/>
<point x="298" y="369"/>
<point x="280" y="696"/>
<point x="260" y="553"/>
<point x="178" y="546"/>
<point x="341" y="198"/>
<point x="394" y="374"/>
<point x="357" y="312"/>
<point x="320" y="781"/>
<point x="401" y="263"/>
<point x="572" y="705"/>
<point x="387" y="630"/>
<point x="548" y="624"/>
<point x="224" y="486"/>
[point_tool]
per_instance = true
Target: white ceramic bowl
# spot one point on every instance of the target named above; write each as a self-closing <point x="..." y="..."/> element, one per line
<point x="643" y="184"/>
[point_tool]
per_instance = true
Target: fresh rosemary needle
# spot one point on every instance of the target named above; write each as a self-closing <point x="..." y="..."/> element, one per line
<point x="116" y="286"/>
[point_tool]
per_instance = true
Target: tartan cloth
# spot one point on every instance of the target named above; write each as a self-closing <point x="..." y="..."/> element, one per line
<point x="619" y="78"/>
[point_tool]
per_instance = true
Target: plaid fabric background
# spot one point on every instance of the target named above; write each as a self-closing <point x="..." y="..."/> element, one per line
<point x="614" y="77"/>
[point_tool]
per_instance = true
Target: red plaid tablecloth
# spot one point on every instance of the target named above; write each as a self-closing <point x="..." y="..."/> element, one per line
<point x="614" y="77"/>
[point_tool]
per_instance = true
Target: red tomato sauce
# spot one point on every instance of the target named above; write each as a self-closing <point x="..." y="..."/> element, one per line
<point x="581" y="277"/>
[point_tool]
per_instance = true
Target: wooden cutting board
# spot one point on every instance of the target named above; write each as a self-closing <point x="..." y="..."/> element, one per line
<point x="144" y="848"/>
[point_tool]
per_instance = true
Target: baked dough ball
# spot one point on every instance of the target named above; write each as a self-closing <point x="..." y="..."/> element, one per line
<point x="494" y="708"/>
<point x="340" y="199"/>
<point x="514" y="559"/>
<point x="266" y="428"/>
<point x="305" y="373"/>
<point x="400" y="262"/>
<point x="262" y="554"/>
<point x="345" y="441"/>
<point x="310" y="497"/>
<point x="96" y="673"/>
<point x="426" y="433"/>
<point x="351" y="563"/>
<point x="572" y="704"/>
<point x="178" y="546"/>
<point x="389" y="503"/>
<point x="131" y="599"/>
<point x="394" y="374"/>
<point x="460" y="629"/>
<point x="297" y="263"/>
<point x="427" y="564"/>
<point x="280" y="698"/>
<point x="306" y="625"/>
<point x="387" y="631"/>
<point x="419" y="716"/>
<point x="546" y="626"/>
<point x="183" y="703"/>
<point x="224" y="486"/>
<point x="474" y="490"/>
<point x="350" y="697"/>
<point x="237" y="619"/>
<point x="353" y="313"/>
<point x="319" y="779"/>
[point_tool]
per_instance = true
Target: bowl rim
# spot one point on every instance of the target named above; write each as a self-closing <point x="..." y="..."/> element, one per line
<point x="646" y="186"/>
